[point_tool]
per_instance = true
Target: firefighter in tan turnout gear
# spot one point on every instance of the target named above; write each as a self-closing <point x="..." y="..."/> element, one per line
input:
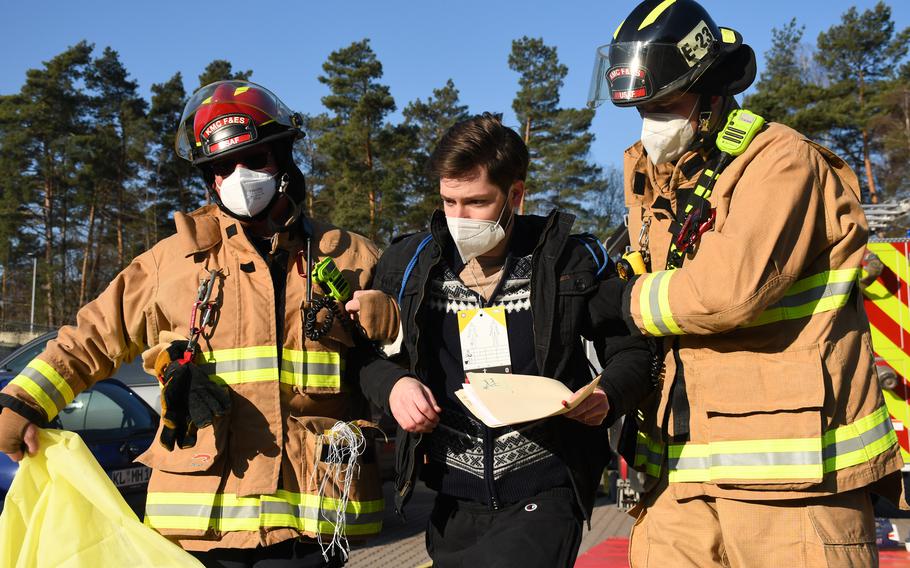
<point x="241" y="315"/>
<point x="768" y="429"/>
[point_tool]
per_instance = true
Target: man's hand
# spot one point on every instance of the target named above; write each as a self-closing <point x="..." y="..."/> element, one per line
<point x="590" y="411"/>
<point x="376" y="312"/>
<point x="16" y="431"/>
<point x="413" y="406"/>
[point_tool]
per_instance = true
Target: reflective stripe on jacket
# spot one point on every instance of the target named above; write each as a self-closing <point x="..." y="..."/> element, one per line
<point x="253" y="478"/>
<point x="766" y="321"/>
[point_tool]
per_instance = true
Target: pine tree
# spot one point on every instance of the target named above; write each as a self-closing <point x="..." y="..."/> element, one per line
<point x="350" y="138"/>
<point x="561" y="174"/>
<point x="119" y="140"/>
<point x="43" y="122"/>
<point x="428" y="121"/>
<point x="861" y="54"/>
<point x="174" y="182"/>
<point x="789" y="83"/>
<point x="222" y="70"/>
<point x="891" y="128"/>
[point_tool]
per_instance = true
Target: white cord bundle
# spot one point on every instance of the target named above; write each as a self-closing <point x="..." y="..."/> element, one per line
<point x="345" y="443"/>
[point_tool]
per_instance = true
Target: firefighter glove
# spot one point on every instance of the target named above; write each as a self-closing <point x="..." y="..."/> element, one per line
<point x="189" y="399"/>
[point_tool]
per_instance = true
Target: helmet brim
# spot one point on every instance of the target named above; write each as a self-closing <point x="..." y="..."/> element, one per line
<point x="293" y="134"/>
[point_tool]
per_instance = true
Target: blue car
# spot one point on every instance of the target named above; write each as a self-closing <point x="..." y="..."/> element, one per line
<point x="116" y="425"/>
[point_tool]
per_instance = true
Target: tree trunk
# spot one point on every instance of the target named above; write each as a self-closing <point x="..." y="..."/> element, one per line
<point x="3" y="294"/>
<point x="521" y="206"/>
<point x="873" y="194"/>
<point x="906" y="109"/>
<point x="87" y="253"/>
<point x="867" y="162"/>
<point x="372" y="189"/>
<point x="49" y="252"/>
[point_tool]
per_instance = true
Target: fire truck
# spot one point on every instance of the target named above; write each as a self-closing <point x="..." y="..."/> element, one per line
<point x="885" y="284"/>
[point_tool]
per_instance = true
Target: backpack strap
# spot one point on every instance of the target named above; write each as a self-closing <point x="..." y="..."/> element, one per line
<point x="407" y="271"/>
<point x="597" y="249"/>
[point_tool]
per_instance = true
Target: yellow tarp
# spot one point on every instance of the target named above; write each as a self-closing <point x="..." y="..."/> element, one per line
<point x="62" y="511"/>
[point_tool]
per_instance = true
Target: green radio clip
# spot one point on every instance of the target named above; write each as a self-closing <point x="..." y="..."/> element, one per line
<point x="742" y="126"/>
<point x="327" y="274"/>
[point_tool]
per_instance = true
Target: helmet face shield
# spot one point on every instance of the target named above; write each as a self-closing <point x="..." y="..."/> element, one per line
<point x="229" y="115"/>
<point x="633" y="73"/>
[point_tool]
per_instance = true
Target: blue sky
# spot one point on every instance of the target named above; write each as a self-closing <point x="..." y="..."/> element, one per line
<point x="421" y="44"/>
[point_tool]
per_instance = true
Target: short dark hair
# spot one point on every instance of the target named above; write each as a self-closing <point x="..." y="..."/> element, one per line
<point x="482" y="141"/>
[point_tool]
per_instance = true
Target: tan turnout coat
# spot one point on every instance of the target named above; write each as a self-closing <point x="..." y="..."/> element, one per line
<point x="767" y="324"/>
<point x="254" y="478"/>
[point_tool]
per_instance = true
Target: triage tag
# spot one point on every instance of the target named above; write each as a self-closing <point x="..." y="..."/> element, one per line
<point x="484" y="340"/>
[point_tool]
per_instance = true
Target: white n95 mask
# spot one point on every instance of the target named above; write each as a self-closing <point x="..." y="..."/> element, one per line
<point x="474" y="237"/>
<point x="247" y="192"/>
<point x="665" y="136"/>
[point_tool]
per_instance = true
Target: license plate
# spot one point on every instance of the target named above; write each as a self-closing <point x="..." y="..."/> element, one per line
<point x="131" y="476"/>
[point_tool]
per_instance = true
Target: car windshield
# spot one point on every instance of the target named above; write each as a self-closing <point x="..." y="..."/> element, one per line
<point x="107" y="411"/>
<point x="19" y="360"/>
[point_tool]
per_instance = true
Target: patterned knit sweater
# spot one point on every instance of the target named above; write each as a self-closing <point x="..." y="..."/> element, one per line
<point x="465" y="458"/>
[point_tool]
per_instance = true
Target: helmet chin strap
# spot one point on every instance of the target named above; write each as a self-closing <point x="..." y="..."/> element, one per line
<point x="709" y="121"/>
<point x="275" y="228"/>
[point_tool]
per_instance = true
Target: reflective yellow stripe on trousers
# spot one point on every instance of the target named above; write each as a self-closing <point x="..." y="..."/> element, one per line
<point x="798" y="459"/>
<point x="258" y="364"/>
<point x="823" y="292"/>
<point x="227" y="512"/>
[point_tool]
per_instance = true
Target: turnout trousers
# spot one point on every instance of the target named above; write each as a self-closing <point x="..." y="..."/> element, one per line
<point x="705" y="532"/>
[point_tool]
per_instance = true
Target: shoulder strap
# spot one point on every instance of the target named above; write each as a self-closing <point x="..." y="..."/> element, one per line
<point x="407" y="271"/>
<point x="696" y="215"/>
<point x="601" y="258"/>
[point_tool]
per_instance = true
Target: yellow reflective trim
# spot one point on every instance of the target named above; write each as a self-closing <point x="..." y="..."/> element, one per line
<point x="329" y="381"/>
<point x="328" y="357"/>
<point x="645" y="448"/>
<point x="244" y="377"/>
<point x="44" y="401"/>
<point x="644" y="305"/>
<point x="766" y="446"/>
<point x="748" y="472"/>
<point x="727" y="35"/>
<point x="267" y="122"/>
<point x="828" y="304"/>
<point x="281" y="496"/>
<point x="655" y="13"/>
<point x="206" y="101"/>
<point x="840" y="435"/>
<point x="239" y="353"/>
<point x="855" y="429"/>
<point x="253" y="522"/>
<point x="619" y="27"/>
<point x="36" y="392"/>
<point x="240" y="90"/>
<point x="861" y="455"/>
<point x="55" y="378"/>
<point x="664" y="302"/>
<point x="822" y="279"/>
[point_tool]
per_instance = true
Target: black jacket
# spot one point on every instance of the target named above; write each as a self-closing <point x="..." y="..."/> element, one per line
<point x="564" y="306"/>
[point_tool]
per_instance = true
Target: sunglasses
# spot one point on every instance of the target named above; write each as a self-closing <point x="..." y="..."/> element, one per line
<point x="226" y="167"/>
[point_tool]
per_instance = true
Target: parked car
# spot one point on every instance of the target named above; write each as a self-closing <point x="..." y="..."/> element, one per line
<point x="130" y="373"/>
<point x="117" y="425"/>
